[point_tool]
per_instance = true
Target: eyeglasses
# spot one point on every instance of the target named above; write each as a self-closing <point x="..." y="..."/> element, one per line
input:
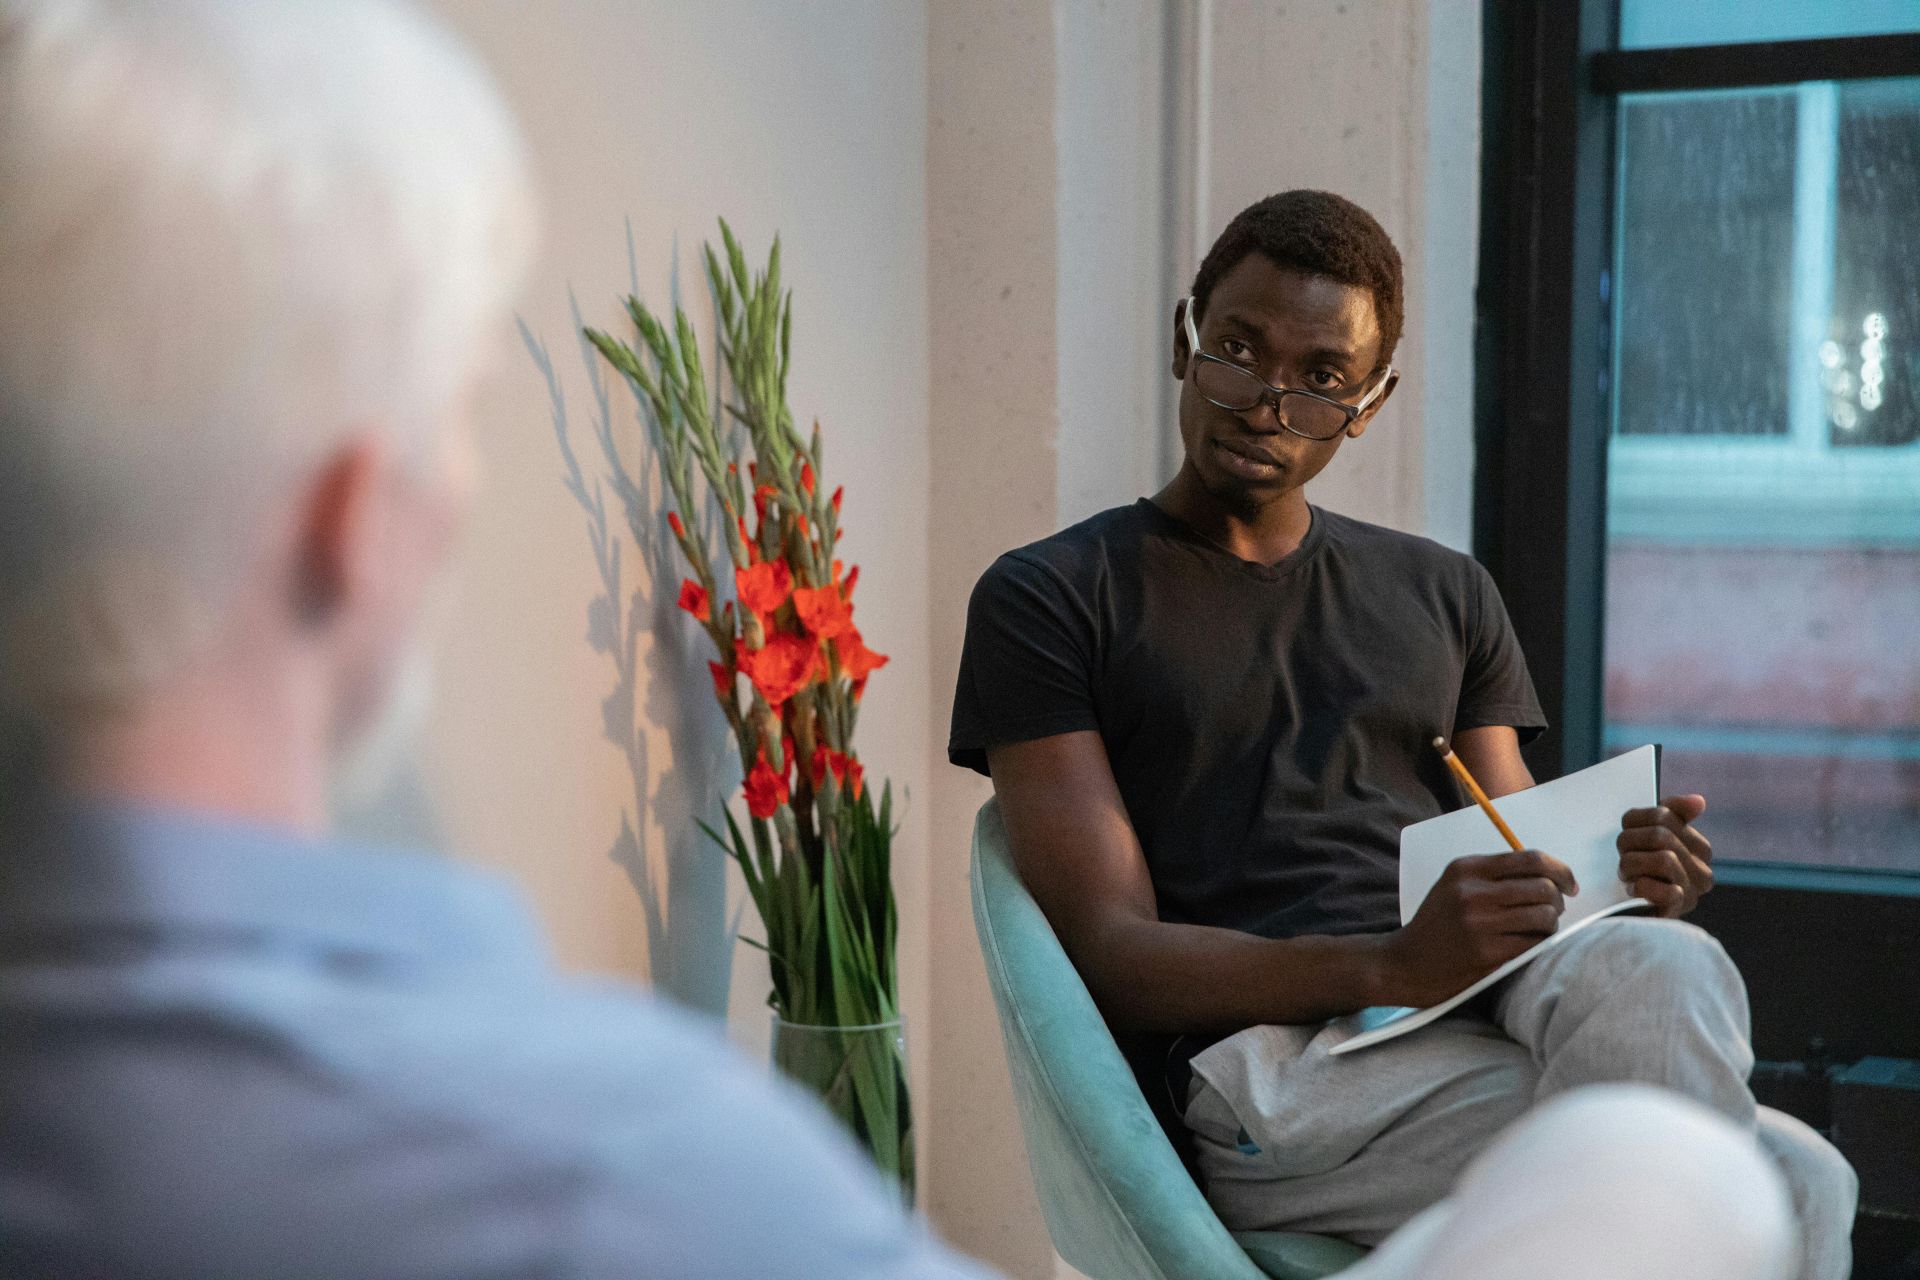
<point x="1238" y="388"/>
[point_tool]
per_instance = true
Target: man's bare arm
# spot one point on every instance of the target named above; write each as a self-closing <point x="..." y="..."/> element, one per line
<point x="1492" y="756"/>
<point x="1077" y="852"/>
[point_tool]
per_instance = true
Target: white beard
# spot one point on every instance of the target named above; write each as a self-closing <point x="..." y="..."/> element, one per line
<point x="369" y="766"/>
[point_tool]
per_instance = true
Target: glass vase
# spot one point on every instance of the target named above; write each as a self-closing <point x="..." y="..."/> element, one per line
<point x="861" y="1075"/>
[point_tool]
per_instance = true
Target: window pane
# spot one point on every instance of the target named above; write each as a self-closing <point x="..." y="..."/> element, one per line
<point x="1705" y="241"/>
<point x="1763" y="577"/>
<point x="1654" y="24"/>
<point x="1872" y="366"/>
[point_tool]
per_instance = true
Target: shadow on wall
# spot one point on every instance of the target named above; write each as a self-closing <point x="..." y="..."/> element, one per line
<point x="681" y="880"/>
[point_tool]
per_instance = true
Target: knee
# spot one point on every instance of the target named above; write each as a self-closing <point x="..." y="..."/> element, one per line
<point x="1837" y="1184"/>
<point x="1687" y="956"/>
<point x="1824" y="1184"/>
<point x="1669" y="972"/>
<point x="1549" y="1197"/>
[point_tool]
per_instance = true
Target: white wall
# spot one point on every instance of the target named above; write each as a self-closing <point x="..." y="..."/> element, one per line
<point x="993" y="263"/>
<point x="806" y="120"/>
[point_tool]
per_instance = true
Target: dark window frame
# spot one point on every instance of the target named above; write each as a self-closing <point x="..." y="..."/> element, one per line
<point x="1832" y="957"/>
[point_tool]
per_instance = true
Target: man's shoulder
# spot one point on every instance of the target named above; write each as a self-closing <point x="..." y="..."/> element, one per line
<point x="1394" y="549"/>
<point x="1076" y="556"/>
<point x="697" y="1153"/>
<point x="553" y="1062"/>
<point x="615" y="1127"/>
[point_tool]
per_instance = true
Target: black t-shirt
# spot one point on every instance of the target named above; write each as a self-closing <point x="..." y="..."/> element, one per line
<point x="1270" y="727"/>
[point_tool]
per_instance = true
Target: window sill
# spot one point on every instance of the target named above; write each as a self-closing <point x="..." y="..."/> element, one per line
<point x="1691" y="492"/>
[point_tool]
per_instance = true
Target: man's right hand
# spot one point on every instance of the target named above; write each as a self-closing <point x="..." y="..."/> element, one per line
<point x="1481" y="913"/>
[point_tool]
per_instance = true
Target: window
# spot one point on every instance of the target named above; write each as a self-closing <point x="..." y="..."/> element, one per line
<point x="1697" y="476"/>
<point x="1698" y="471"/>
<point x="1762" y="614"/>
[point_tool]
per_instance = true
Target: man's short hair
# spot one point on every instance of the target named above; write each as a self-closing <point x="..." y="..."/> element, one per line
<point x="232" y="232"/>
<point x="1316" y="233"/>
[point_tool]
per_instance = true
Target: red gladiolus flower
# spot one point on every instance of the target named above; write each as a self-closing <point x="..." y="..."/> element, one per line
<point x="800" y="523"/>
<point x="760" y="498"/>
<point x="823" y="612"/>
<point x="673" y="522"/>
<point x="856" y="660"/>
<point x="693" y="598"/>
<point x="853" y="577"/>
<point x="782" y="669"/>
<point x="789" y="755"/>
<point x="827" y="760"/>
<point x="806" y="476"/>
<point x="855" y="773"/>
<point x="764" y="587"/>
<point x="838" y="494"/>
<point x="766" y="790"/>
<point x="722" y="681"/>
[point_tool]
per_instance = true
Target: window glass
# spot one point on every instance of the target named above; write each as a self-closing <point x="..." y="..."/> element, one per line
<point x="1763" y="576"/>
<point x="1664" y="23"/>
<point x="1711" y="176"/>
<point x="1876" y="295"/>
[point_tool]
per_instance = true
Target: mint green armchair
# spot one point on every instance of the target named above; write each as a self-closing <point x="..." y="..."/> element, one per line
<point x="1118" y="1202"/>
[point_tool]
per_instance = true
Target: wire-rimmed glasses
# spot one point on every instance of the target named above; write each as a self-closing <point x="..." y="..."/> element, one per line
<point x="1238" y="388"/>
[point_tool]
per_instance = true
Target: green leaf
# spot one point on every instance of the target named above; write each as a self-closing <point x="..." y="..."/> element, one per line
<point x="736" y="259"/>
<point x="722" y="288"/>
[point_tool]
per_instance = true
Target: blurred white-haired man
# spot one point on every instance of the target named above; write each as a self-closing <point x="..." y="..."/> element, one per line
<point x="253" y="254"/>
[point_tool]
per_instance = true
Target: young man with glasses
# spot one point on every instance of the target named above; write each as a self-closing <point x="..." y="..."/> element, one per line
<point x="1207" y="717"/>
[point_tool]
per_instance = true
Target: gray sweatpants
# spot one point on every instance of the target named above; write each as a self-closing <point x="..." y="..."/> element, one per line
<point x="1290" y="1138"/>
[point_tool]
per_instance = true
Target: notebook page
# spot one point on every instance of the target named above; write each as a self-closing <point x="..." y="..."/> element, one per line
<point x="1576" y="819"/>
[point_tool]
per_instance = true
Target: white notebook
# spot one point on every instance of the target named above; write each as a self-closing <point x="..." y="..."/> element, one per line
<point x="1575" y="818"/>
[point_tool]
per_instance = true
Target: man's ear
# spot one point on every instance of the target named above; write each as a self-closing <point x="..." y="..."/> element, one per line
<point x="342" y="512"/>
<point x="1180" y="352"/>
<point x="1358" y="426"/>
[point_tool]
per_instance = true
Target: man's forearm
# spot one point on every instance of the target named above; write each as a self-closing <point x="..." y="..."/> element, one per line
<point x="1154" y="976"/>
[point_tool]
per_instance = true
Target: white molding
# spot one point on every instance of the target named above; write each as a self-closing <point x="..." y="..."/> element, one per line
<point x="1749" y="492"/>
<point x="1201" y="155"/>
<point x="1447" y="177"/>
<point x="1188" y="175"/>
<point x="1112" y="132"/>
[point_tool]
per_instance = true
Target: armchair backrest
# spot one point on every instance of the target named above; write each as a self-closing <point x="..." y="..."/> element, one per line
<point x="1118" y="1202"/>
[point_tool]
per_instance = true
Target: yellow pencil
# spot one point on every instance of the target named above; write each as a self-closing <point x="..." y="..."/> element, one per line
<point x="1479" y="797"/>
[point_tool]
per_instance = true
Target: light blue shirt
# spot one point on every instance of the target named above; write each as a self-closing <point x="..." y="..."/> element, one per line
<point x="226" y="1052"/>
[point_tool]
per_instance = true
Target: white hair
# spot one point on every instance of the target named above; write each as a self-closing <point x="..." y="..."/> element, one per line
<point x="231" y="233"/>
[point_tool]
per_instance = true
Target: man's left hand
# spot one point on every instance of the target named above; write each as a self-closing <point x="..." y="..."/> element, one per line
<point x="1662" y="858"/>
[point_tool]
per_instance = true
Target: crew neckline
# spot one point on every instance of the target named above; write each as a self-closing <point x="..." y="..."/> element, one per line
<point x="1292" y="563"/>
